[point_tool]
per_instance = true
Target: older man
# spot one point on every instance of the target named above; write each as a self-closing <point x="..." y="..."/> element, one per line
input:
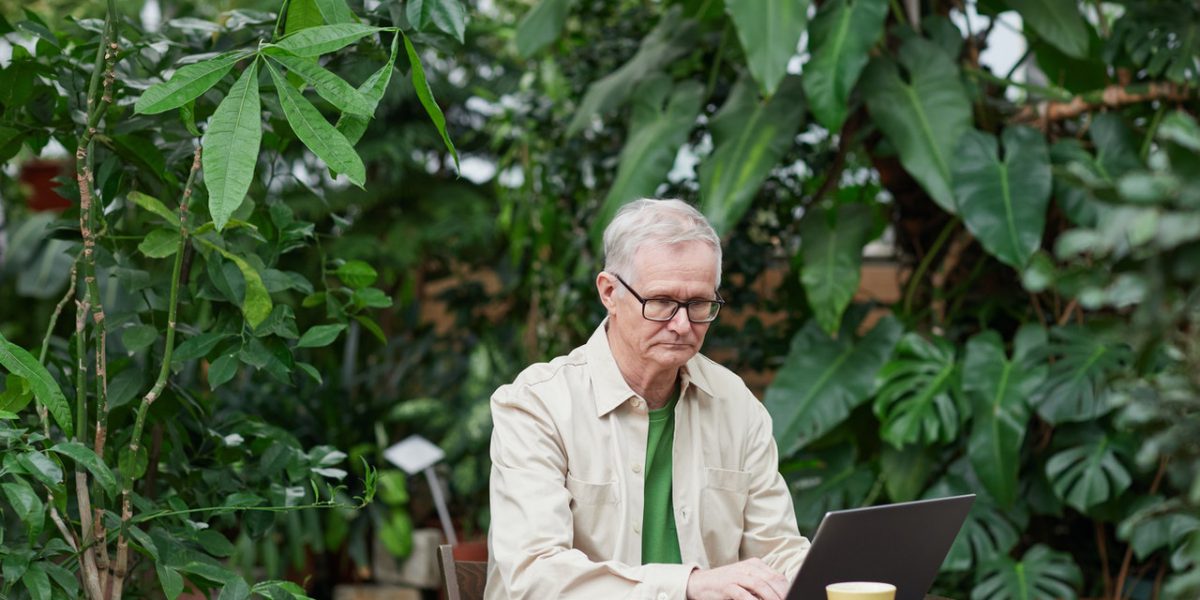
<point x="634" y="467"/>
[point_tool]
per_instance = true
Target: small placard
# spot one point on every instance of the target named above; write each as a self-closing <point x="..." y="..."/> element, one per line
<point x="414" y="454"/>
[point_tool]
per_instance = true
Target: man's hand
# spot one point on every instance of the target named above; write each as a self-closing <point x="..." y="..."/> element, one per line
<point x="747" y="580"/>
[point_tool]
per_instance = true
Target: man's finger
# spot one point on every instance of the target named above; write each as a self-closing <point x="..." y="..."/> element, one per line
<point x="761" y="588"/>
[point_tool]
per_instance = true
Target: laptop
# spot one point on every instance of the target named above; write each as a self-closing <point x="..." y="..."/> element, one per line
<point x="903" y="544"/>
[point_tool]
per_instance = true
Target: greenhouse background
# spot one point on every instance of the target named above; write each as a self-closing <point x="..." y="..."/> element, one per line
<point x="248" y="246"/>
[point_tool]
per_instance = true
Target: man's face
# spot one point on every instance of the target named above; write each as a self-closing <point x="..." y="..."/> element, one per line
<point x="680" y="272"/>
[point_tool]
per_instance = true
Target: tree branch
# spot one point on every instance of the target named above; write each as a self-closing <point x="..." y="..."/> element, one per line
<point x="1042" y="114"/>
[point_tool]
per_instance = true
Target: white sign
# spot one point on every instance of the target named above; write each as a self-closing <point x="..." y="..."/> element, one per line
<point x="414" y="454"/>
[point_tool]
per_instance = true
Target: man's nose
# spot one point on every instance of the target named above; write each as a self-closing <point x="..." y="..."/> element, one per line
<point x="679" y="323"/>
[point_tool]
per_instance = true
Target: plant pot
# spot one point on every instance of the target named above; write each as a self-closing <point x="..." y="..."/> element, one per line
<point x="39" y="175"/>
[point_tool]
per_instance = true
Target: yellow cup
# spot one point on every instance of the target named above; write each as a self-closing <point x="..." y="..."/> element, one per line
<point x="860" y="590"/>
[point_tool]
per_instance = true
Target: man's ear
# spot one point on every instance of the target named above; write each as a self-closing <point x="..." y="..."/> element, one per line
<point x="606" y="288"/>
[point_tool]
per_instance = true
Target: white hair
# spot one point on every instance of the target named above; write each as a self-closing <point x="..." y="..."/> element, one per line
<point x="654" y="222"/>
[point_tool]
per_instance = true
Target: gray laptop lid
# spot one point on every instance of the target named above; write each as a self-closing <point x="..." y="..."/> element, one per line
<point x="903" y="544"/>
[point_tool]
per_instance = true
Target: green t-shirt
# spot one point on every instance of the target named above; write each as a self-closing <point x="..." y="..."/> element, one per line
<point x="660" y="540"/>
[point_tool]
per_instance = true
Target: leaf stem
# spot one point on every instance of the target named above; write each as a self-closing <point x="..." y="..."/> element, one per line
<point x="926" y="261"/>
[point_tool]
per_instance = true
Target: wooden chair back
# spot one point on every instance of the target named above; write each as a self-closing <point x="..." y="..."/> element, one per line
<point x="463" y="579"/>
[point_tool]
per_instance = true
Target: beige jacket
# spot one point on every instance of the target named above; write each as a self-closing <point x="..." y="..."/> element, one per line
<point x="568" y="444"/>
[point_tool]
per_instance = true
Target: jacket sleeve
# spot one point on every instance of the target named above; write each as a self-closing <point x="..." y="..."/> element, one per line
<point x="770" y="531"/>
<point x="532" y="529"/>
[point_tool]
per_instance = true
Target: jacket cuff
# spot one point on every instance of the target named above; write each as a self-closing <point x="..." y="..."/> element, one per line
<point x="665" y="582"/>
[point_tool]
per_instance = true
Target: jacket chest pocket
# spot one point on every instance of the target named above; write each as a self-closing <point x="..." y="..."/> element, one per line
<point x="722" y="513"/>
<point x="595" y="511"/>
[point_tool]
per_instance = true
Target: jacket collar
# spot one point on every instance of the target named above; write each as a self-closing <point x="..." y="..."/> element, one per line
<point x="611" y="389"/>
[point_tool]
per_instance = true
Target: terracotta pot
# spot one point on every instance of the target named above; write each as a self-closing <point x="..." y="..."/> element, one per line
<point x="39" y="176"/>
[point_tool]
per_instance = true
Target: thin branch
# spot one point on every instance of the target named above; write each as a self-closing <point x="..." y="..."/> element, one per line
<point x="58" y="522"/>
<point x="1043" y="113"/>
<point x="42" y="411"/>
<point x="926" y="261"/>
<point x="1065" y="317"/>
<point x="1128" y="560"/>
<point x="121" y="568"/>
<point x="1102" y="545"/>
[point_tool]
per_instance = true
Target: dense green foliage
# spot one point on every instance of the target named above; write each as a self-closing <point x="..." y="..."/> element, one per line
<point x="1043" y="352"/>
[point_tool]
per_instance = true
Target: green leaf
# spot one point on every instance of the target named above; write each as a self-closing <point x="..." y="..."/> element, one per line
<point x="256" y="304"/>
<point x="235" y="589"/>
<point x="335" y="11"/>
<point x="986" y="535"/>
<point x="1155" y="523"/>
<point x="138" y="337"/>
<point x="445" y="15"/>
<point x="372" y="298"/>
<point x="769" y="31"/>
<point x="1041" y="573"/>
<point x="311" y="371"/>
<point x="159" y="243"/>
<point x="396" y="533"/>
<point x="923" y="115"/>
<point x="425" y="95"/>
<point x="302" y="14"/>
<point x="997" y="387"/>
<point x="656" y="132"/>
<point x="231" y="147"/>
<point x="841" y="37"/>
<point x="356" y="274"/>
<point x="319" y="336"/>
<point x="830" y="479"/>
<point x="749" y="139"/>
<point x="64" y="578"/>
<point x="87" y="459"/>
<point x="1003" y="201"/>
<point x="354" y="126"/>
<point x="823" y="379"/>
<point x="155" y="206"/>
<point x="316" y="41"/>
<point x="1058" y="22"/>
<point x="672" y="38"/>
<point x="340" y="94"/>
<point x="197" y="346"/>
<point x="222" y="370"/>
<point x="186" y="84"/>
<point x="542" y="25"/>
<point x="45" y="389"/>
<point x="16" y="396"/>
<point x="133" y="463"/>
<point x="904" y="471"/>
<point x="41" y="467"/>
<point x="1089" y="472"/>
<point x="1076" y="388"/>
<point x="915" y="402"/>
<point x="371" y="326"/>
<point x="123" y="387"/>
<point x="26" y="504"/>
<point x="36" y="582"/>
<point x="317" y="134"/>
<point x="170" y="579"/>
<point x="831" y="248"/>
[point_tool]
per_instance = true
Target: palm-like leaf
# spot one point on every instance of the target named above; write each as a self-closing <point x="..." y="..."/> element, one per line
<point x="1076" y="388"/>
<point x="915" y="402"/>
<point x="1041" y="573"/>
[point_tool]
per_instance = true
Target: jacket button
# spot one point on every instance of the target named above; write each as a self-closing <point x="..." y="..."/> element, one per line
<point x="637" y="467"/>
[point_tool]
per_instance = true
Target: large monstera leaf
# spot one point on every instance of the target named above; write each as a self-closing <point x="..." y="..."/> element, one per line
<point x="750" y="137"/>
<point x="769" y="31"/>
<point x="1076" y="388"/>
<point x="841" y="36"/>
<point x="922" y="114"/>
<point x="988" y="533"/>
<point x="1041" y="573"/>
<point x="998" y="387"/>
<point x="1089" y="471"/>
<point x="831" y="254"/>
<point x="824" y="378"/>
<point x="1002" y="196"/>
<point x="916" y="400"/>
<point x="662" y="118"/>
<point x="831" y="479"/>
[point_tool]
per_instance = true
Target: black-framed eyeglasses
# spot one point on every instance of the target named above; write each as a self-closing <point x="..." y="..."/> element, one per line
<point x="664" y="309"/>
